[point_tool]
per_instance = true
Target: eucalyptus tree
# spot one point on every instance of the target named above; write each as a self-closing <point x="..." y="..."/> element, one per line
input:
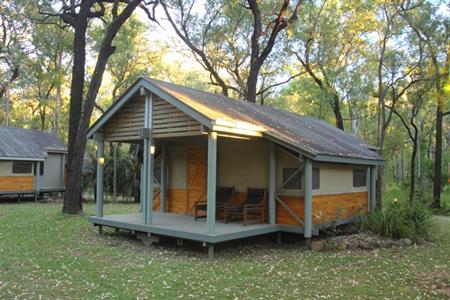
<point x="232" y="40"/>
<point x="329" y="42"/>
<point x="79" y="15"/>
<point x="14" y="28"/>
<point x="433" y="29"/>
<point x="397" y="71"/>
<point x="45" y="69"/>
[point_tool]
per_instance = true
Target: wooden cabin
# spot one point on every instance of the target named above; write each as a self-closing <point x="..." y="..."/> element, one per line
<point x="31" y="162"/>
<point x="194" y="142"/>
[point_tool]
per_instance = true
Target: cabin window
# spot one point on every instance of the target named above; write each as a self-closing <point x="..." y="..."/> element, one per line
<point x="315" y="178"/>
<point x="359" y="177"/>
<point x="294" y="183"/>
<point x="21" y="167"/>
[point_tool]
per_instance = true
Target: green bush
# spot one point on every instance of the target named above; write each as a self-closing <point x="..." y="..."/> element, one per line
<point x="399" y="221"/>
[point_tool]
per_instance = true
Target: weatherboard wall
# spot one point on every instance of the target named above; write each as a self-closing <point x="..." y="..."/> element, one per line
<point x="244" y="163"/>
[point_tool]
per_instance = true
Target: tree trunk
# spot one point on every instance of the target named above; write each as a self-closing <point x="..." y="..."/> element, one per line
<point x="58" y="99"/>
<point x="337" y="112"/>
<point x="412" y="187"/>
<point x="76" y="146"/>
<point x="7" y="111"/>
<point x="252" y="83"/>
<point x="438" y="160"/>
<point x="80" y="113"/>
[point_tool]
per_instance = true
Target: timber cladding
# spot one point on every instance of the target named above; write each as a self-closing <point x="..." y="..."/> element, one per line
<point x="169" y="121"/>
<point x="126" y="123"/>
<point x="16" y="183"/>
<point x="326" y="208"/>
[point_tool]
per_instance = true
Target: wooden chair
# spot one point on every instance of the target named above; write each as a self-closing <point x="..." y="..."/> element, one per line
<point x="253" y="206"/>
<point x="223" y="197"/>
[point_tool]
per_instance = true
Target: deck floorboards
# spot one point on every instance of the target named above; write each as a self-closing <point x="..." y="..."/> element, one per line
<point x="185" y="227"/>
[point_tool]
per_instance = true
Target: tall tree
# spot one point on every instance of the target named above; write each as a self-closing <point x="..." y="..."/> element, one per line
<point x="329" y="47"/>
<point x="79" y="15"/>
<point x="13" y="48"/>
<point x="235" y="36"/>
<point x="396" y="71"/>
<point x="434" y="31"/>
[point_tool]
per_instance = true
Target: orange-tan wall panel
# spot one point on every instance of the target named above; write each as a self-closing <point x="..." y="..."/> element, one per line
<point x="176" y="200"/>
<point x="326" y="208"/>
<point x="16" y="183"/>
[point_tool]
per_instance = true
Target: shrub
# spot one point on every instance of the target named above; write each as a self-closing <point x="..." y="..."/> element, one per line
<point x="399" y="221"/>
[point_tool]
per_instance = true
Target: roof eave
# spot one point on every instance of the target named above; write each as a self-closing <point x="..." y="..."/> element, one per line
<point x="18" y="158"/>
<point x="348" y="160"/>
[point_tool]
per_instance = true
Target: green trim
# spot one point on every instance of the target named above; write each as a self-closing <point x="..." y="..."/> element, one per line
<point x="372" y="187"/>
<point x="308" y="199"/>
<point x="163" y="183"/>
<point x="272" y="182"/>
<point x="37" y="186"/>
<point x="348" y="160"/>
<point x="141" y="188"/>
<point x="22" y="158"/>
<point x="99" y="181"/>
<point x="212" y="177"/>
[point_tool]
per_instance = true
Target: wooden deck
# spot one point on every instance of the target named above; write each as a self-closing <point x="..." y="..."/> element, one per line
<point x="185" y="227"/>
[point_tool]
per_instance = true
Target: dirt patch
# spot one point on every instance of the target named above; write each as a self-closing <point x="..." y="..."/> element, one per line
<point x="361" y="241"/>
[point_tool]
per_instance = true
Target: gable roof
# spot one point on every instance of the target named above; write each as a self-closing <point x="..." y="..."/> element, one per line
<point x="310" y="136"/>
<point x="27" y="144"/>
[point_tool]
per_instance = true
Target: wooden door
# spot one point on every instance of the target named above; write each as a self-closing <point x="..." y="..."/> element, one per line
<point x="196" y="177"/>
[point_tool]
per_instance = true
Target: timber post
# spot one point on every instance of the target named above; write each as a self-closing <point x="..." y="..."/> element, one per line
<point x="272" y="183"/>
<point x="163" y="183"/>
<point x="308" y="201"/>
<point x="211" y="251"/>
<point x="211" y="182"/>
<point x="100" y="175"/>
<point x="141" y="190"/>
<point x="149" y="151"/>
<point x="372" y="188"/>
<point x="37" y="183"/>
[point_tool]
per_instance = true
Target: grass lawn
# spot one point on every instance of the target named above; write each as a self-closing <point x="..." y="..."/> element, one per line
<point x="46" y="254"/>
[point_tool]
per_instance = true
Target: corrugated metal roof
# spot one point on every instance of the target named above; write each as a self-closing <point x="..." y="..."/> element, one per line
<point x="308" y="134"/>
<point x="27" y="143"/>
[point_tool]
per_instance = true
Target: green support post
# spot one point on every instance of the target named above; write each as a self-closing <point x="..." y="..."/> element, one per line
<point x="147" y="179"/>
<point x="141" y="189"/>
<point x="62" y="168"/>
<point x="37" y="184"/>
<point x="211" y="189"/>
<point x="144" y="181"/>
<point x="308" y="200"/>
<point x="99" y="181"/>
<point x="151" y="156"/>
<point x="163" y="183"/>
<point x="372" y="193"/>
<point x="272" y="182"/>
